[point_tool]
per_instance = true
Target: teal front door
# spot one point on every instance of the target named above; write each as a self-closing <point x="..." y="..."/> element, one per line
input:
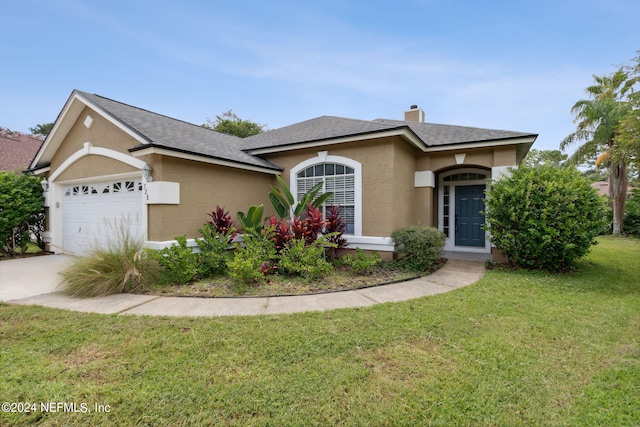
<point x="468" y="219"/>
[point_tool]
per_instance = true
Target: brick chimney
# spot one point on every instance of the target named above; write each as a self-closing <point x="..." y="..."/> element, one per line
<point x="414" y="114"/>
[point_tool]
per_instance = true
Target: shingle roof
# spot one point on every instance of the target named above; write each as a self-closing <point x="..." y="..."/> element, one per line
<point x="17" y="150"/>
<point x="318" y="129"/>
<point x="165" y="132"/>
<point x="329" y="127"/>
<point x="162" y="131"/>
<point x="437" y="134"/>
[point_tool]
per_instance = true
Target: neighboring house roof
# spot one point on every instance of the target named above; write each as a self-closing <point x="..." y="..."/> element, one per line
<point x="603" y="188"/>
<point x="17" y="150"/>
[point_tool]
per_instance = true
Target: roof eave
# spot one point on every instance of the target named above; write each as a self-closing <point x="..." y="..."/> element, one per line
<point x="527" y="140"/>
<point x="61" y="127"/>
<point x="403" y="131"/>
<point x="147" y="149"/>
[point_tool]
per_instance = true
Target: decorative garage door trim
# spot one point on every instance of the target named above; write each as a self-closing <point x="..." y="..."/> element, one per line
<point x="89" y="149"/>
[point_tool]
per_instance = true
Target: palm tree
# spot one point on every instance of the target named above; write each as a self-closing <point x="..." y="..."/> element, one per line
<point x="597" y="121"/>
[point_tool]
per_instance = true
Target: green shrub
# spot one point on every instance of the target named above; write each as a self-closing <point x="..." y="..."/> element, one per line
<point x="21" y="204"/>
<point x="632" y="214"/>
<point x="361" y="263"/>
<point x="214" y="250"/>
<point x="252" y="260"/>
<point x="178" y="261"/>
<point x="305" y="260"/>
<point x="544" y="217"/>
<point x="120" y="266"/>
<point x="418" y="247"/>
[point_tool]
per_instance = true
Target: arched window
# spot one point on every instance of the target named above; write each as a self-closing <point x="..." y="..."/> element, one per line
<point x="341" y="176"/>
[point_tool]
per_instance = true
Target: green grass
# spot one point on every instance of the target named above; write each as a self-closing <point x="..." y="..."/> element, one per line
<point x="516" y="349"/>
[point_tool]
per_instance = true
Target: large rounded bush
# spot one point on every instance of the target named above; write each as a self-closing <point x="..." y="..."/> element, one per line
<point x="544" y="217"/>
<point x="418" y="247"/>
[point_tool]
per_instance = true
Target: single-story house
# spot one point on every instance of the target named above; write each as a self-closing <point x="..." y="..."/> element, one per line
<point x="106" y="159"/>
<point x="17" y="150"/>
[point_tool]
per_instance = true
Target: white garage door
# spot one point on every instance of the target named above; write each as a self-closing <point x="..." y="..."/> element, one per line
<point x="91" y="210"/>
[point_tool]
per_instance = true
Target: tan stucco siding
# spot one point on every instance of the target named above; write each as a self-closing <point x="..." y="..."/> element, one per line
<point x="102" y="134"/>
<point x="202" y="187"/>
<point x="505" y="156"/>
<point x="446" y="160"/>
<point x="404" y="191"/>
<point x="94" y="166"/>
<point x="379" y="208"/>
<point x="479" y="157"/>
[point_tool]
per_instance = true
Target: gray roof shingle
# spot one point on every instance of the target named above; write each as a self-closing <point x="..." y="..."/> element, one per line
<point x="318" y="129"/>
<point x="162" y="131"/>
<point x="433" y="134"/>
<point x="329" y="127"/>
<point x="166" y="132"/>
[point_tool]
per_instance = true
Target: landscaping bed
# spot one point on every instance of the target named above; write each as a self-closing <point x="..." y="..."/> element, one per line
<point x="340" y="279"/>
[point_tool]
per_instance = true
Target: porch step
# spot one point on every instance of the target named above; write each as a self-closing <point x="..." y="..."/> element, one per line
<point x="467" y="256"/>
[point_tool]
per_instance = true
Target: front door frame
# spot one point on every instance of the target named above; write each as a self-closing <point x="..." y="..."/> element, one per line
<point x="450" y="230"/>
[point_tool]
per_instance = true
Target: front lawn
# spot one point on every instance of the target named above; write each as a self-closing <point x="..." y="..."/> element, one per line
<point x="516" y="349"/>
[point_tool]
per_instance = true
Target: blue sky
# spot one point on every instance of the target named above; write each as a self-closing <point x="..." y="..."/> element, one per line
<point x="516" y="65"/>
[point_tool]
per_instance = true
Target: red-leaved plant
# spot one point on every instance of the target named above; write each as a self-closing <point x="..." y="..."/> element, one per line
<point x="314" y="224"/>
<point x="334" y="223"/>
<point x="282" y="234"/>
<point x="223" y="223"/>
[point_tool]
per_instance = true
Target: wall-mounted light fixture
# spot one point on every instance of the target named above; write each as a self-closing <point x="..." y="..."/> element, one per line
<point x="146" y="173"/>
<point x="45" y="185"/>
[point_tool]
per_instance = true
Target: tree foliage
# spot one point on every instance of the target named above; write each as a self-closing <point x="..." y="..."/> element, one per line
<point x="229" y="123"/>
<point x="41" y="129"/>
<point x="21" y="203"/>
<point x="598" y="122"/>
<point x="544" y="217"/>
<point x="545" y="157"/>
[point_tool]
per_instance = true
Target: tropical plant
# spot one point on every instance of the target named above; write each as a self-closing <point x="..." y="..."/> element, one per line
<point x="283" y="201"/>
<point x="251" y="222"/>
<point x="120" y="265"/>
<point x="282" y="233"/>
<point x="222" y="223"/>
<point x="336" y="226"/>
<point x="418" y="247"/>
<point x="598" y="120"/>
<point x="543" y="217"/>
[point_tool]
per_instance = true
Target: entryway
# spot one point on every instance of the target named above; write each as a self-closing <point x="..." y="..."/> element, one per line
<point x="461" y="203"/>
<point x="468" y="219"/>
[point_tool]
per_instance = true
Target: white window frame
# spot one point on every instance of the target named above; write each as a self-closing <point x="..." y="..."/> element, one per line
<point x="324" y="157"/>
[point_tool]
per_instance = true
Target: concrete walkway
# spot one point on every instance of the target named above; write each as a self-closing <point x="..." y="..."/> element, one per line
<point x="34" y="281"/>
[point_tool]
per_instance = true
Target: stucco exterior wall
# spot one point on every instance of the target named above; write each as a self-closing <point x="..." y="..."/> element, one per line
<point x="404" y="203"/>
<point x="202" y="187"/>
<point x="377" y="158"/>
<point x="102" y="134"/>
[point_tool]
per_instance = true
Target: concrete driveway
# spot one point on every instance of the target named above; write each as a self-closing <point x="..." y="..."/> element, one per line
<point x="34" y="281"/>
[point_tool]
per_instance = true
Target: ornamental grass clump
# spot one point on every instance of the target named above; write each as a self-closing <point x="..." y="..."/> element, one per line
<point x="116" y="266"/>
